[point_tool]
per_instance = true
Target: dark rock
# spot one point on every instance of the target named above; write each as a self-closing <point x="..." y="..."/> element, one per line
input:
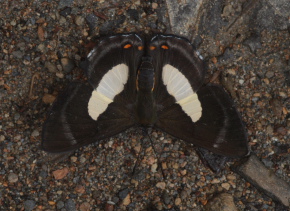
<point x="287" y="77"/>
<point x="65" y="12"/>
<point x="166" y="198"/>
<point x="133" y="14"/>
<point x="18" y="54"/>
<point x="29" y="205"/>
<point x="65" y="3"/>
<point x="115" y="199"/>
<point x="253" y="42"/>
<point x="43" y="174"/>
<point x="109" y="26"/>
<point x="70" y="205"/>
<point x="51" y="67"/>
<point x="60" y="204"/>
<point x="221" y="202"/>
<point x="92" y="21"/>
<point x="215" y="162"/>
<point x="123" y="193"/>
<point x="254" y="171"/>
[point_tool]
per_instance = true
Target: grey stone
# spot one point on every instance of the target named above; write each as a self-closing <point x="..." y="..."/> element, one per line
<point x="65" y="3"/>
<point x="51" y="67"/>
<point x="70" y="205"/>
<point x="29" y="205"/>
<point x="253" y="42"/>
<point x="60" y="204"/>
<point x="122" y="194"/>
<point x="18" y="54"/>
<point x="254" y="171"/>
<point x="183" y="15"/>
<point x="92" y="21"/>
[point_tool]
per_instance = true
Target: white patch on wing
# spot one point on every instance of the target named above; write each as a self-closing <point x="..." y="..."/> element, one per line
<point x="110" y="85"/>
<point x="179" y="87"/>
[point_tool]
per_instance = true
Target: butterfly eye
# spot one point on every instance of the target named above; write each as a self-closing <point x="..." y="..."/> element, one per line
<point x="127" y="46"/>
<point x="164" y="47"/>
<point x="140" y="48"/>
<point x="152" y="47"/>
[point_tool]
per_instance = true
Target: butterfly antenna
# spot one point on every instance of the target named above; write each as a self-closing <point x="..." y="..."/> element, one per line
<point x="145" y="132"/>
<point x="138" y="161"/>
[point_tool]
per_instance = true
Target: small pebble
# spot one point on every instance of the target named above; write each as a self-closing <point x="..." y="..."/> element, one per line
<point x="226" y="186"/>
<point x="127" y="200"/>
<point x="61" y="173"/>
<point x="85" y="206"/>
<point x="161" y="185"/>
<point x="221" y="202"/>
<point x="79" y="20"/>
<point x="70" y="205"/>
<point x="51" y="67"/>
<point x="48" y="98"/>
<point x="154" y="5"/>
<point x="12" y="177"/>
<point x="67" y="64"/>
<point x="177" y="201"/>
<point x="35" y="133"/>
<point x="29" y="205"/>
<point x="60" y="204"/>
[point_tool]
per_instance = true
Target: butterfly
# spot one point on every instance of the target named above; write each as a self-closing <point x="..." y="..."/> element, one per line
<point x="156" y="83"/>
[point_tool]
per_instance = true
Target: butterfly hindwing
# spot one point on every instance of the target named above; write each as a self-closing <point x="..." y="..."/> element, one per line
<point x="219" y="128"/>
<point x="69" y="126"/>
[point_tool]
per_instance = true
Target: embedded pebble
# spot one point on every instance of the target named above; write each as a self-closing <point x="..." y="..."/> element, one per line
<point x="221" y="202"/>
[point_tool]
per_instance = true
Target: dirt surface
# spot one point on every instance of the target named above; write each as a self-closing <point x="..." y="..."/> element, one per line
<point x="43" y="43"/>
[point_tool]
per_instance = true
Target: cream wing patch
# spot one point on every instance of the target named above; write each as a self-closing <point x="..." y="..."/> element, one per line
<point x="179" y="87"/>
<point x="111" y="84"/>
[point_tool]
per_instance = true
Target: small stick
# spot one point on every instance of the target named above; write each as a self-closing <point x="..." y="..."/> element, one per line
<point x="35" y="75"/>
<point x="154" y="150"/>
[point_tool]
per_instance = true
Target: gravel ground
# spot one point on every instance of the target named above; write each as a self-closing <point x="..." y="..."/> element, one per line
<point x="43" y="43"/>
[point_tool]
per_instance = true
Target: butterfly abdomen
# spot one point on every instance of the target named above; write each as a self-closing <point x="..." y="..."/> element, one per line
<point x="145" y="103"/>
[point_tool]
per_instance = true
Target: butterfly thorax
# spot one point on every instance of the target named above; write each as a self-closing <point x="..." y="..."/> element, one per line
<point x="145" y="103"/>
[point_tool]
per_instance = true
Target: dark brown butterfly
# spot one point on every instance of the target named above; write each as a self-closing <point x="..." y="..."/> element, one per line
<point x="157" y="84"/>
